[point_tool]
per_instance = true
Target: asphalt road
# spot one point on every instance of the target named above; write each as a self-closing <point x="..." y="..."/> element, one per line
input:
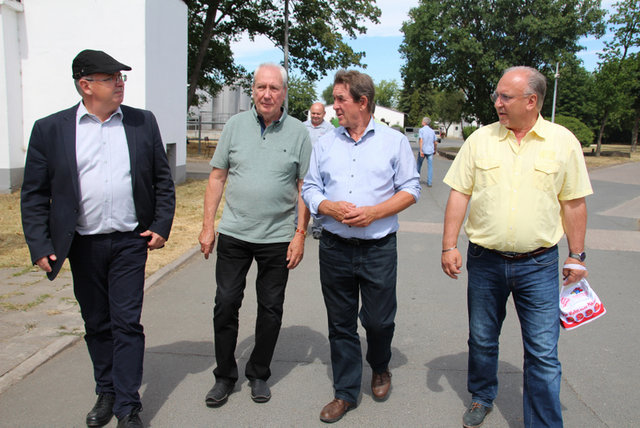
<point x="600" y="364"/>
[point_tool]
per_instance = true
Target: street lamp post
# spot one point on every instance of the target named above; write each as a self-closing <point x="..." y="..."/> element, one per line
<point x="555" y="93"/>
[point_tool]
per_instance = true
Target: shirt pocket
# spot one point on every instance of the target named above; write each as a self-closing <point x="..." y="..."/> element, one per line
<point x="545" y="173"/>
<point x="487" y="172"/>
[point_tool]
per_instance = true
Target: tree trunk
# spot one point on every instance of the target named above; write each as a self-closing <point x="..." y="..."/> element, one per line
<point x="207" y="32"/>
<point x="634" y="131"/>
<point x="602" y="124"/>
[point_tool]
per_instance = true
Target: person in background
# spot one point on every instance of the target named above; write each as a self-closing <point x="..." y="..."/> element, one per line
<point x="427" y="145"/>
<point x="317" y="127"/>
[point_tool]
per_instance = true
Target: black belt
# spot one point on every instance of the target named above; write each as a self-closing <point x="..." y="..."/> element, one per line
<point x="356" y="241"/>
<point x="510" y="255"/>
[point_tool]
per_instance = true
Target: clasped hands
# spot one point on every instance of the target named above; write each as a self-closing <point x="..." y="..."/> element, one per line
<point x="348" y="213"/>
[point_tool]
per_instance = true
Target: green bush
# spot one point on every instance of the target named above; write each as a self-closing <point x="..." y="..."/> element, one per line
<point x="579" y="129"/>
<point x="468" y="130"/>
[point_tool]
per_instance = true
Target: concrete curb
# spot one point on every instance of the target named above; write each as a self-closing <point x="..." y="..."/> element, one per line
<point x="36" y="360"/>
<point x="447" y="154"/>
<point x="40" y="357"/>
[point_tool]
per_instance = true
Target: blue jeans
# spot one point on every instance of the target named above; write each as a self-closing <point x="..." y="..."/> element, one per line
<point x="346" y="272"/>
<point x="429" y="166"/>
<point x="534" y="283"/>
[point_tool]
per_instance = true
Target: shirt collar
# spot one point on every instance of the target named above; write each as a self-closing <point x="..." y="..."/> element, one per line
<point x="540" y="128"/>
<point x="371" y="127"/>
<point x="83" y="113"/>
<point x="258" y="118"/>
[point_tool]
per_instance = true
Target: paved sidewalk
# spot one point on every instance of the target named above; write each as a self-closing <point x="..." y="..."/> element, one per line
<point x="600" y="374"/>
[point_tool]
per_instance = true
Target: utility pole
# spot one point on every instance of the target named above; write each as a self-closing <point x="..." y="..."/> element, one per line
<point x="555" y="93"/>
<point x="286" y="47"/>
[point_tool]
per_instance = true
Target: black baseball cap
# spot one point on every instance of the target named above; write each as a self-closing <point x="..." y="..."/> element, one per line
<point x="89" y="62"/>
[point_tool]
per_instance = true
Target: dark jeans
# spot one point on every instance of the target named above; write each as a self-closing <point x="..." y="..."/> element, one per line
<point x="234" y="259"/>
<point x="108" y="281"/>
<point x="348" y="271"/>
<point x="534" y="283"/>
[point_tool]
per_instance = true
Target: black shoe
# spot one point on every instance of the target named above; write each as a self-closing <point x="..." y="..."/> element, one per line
<point x="260" y="392"/>
<point x="218" y="395"/>
<point x="102" y="411"/>
<point x="132" y="420"/>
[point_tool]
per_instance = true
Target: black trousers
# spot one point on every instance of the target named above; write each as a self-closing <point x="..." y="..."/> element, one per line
<point x="108" y="282"/>
<point x="233" y="261"/>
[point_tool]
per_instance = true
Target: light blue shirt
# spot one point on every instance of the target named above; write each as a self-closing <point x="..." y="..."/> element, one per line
<point x="104" y="175"/>
<point x="428" y="139"/>
<point x="365" y="173"/>
<point x="315" y="132"/>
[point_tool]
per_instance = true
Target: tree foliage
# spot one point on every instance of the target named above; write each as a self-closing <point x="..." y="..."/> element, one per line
<point x="616" y="87"/>
<point x="327" y="95"/>
<point x="582" y="132"/>
<point x="301" y="95"/>
<point x="317" y="31"/>
<point x="460" y="44"/>
<point x="417" y="103"/>
<point x="387" y="93"/>
<point x="448" y="107"/>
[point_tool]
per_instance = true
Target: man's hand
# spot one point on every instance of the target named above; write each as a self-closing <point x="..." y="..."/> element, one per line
<point x="295" y="252"/>
<point x="155" y="241"/>
<point x="43" y="262"/>
<point x="207" y="238"/>
<point x="337" y="210"/>
<point x="451" y="262"/>
<point x="571" y="276"/>
<point x="360" y="216"/>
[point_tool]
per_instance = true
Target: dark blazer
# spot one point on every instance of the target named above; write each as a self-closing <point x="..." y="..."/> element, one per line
<point x="50" y="190"/>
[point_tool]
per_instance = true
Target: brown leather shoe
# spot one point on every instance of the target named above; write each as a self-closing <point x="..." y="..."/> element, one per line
<point x="335" y="410"/>
<point x="380" y="385"/>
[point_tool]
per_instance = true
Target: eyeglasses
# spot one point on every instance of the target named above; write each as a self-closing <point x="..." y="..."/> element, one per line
<point x="115" y="78"/>
<point x="506" y="99"/>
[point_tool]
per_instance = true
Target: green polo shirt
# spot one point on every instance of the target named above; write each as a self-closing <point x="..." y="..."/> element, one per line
<point x="264" y="168"/>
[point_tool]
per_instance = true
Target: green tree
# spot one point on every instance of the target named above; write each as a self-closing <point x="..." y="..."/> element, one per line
<point x="387" y="93"/>
<point x="460" y="44"/>
<point x="301" y="95"/>
<point x="416" y="102"/>
<point x="614" y="84"/>
<point x="579" y="129"/>
<point x="327" y="95"/>
<point x="317" y="31"/>
<point x="448" y="107"/>
<point x="575" y="97"/>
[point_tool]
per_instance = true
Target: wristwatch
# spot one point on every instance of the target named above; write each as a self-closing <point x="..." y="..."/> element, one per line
<point x="578" y="256"/>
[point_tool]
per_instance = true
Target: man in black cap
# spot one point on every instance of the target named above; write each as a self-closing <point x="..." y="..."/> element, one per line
<point x="98" y="189"/>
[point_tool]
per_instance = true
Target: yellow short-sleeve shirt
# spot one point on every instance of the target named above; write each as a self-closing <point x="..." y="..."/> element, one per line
<point x="516" y="189"/>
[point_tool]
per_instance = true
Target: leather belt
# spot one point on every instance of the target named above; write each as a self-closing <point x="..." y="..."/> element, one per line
<point x="510" y="255"/>
<point x="357" y="242"/>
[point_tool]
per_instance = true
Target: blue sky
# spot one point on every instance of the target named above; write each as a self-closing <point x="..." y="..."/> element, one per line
<point x="381" y="44"/>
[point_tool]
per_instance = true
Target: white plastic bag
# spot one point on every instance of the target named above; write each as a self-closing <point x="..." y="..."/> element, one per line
<point x="579" y="304"/>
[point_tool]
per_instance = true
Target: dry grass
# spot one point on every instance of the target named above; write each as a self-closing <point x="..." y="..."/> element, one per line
<point x="610" y="154"/>
<point x="13" y="249"/>
<point x="184" y="234"/>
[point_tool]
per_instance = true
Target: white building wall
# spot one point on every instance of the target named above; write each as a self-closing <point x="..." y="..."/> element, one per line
<point x="392" y="117"/>
<point x="11" y="155"/>
<point x="166" y="76"/>
<point x="148" y="35"/>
